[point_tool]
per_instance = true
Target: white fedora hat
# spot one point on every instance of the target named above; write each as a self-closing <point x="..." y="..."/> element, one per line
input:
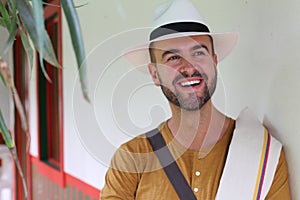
<point x="179" y="18"/>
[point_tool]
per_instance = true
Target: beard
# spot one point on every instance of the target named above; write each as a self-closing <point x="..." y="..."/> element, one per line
<point x="193" y="102"/>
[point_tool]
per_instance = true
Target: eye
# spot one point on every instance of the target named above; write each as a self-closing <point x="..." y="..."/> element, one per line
<point x="173" y="58"/>
<point x="199" y="53"/>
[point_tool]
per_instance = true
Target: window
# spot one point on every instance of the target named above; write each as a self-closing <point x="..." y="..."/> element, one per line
<point x="50" y="102"/>
<point x="50" y="108"/>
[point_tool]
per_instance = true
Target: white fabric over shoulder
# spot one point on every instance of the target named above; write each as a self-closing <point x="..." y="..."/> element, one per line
<point x="251" y="161"/>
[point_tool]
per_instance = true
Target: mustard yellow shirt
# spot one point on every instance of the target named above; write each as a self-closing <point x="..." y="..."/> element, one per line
<point x="135" y="172"/>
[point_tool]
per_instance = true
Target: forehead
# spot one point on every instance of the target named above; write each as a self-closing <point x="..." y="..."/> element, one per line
<point x="182" y="42"/>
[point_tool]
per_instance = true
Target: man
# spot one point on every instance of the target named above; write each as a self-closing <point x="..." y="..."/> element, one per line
<point x="209" y="148"/>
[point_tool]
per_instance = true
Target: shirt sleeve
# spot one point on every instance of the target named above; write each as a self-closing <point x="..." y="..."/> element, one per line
<point x="121" y="179"/>
<point x="119" y="185"/>
<point x="280" y="187"/>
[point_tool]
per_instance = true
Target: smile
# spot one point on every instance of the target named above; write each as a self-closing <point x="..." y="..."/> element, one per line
<point x="190" y="83"/>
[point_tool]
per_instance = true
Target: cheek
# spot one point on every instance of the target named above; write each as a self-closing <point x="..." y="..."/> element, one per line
<point x="213" y="70"/>
<point x="210" y="69"/>
<point x="166" y="76"/>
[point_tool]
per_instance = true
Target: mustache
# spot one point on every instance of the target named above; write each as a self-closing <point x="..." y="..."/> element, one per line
<point x="186" y="75"/>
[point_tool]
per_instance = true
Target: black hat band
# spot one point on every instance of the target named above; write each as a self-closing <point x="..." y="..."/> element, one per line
<point x="178" y="27"/>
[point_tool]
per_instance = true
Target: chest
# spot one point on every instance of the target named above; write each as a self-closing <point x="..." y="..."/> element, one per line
<point x="203" y="176"/>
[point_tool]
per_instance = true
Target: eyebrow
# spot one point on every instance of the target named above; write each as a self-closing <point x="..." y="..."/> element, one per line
<point x="172" y="51"/>
<point x="199" y="47"/>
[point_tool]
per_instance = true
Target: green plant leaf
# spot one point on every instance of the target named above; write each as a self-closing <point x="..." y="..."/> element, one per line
<point x="38" y="12"/>
<point x="5" y="132"/>
<point x="24" y="37"/>
<point x="11" y="146"/>
<point x="77" y="41"/>
<point x="27" y="17"/>
<point x="12" y="35"/>
<point x="14" y="154"/>
<point x="5" y="71"/>
<point x="2" y="22"/>
<point x="5" y="16"/>
<point x="27" y="46"/>
<point x="10" y="41"/>
<point x="3" y="80"/>
<point x="11" y="25"/>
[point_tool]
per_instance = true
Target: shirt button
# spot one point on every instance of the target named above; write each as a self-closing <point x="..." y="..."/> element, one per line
<point x="197" y="173"/>
<point x="196" y="189"/>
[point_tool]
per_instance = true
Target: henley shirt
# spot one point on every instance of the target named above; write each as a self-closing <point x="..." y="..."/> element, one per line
<point x="136" y="173"/>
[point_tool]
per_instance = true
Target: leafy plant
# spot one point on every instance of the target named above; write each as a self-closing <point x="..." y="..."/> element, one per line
<point x="27" y="18"/>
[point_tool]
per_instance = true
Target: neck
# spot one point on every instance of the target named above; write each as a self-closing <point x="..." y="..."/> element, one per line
<point x="199" y="129"/>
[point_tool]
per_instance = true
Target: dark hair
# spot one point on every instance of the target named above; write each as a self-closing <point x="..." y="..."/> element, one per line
<point x="151" y="52"/>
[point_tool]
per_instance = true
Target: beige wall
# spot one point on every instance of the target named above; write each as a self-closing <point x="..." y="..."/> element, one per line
<point x="262" y="73"/>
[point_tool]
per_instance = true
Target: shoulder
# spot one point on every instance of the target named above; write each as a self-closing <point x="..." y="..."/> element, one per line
<point x="130" y="155"/>
<point x="280" y="188"/>
<point x="140" y="143"/>
<point x="135" y="155"/>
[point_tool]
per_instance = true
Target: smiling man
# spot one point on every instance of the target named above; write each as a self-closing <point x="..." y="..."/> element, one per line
<point x="199" y="153"/>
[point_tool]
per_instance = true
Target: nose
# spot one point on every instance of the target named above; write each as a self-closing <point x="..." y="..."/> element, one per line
<point x="187" y="67"/>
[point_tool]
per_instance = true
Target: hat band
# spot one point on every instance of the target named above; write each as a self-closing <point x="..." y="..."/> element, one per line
<point x="178" y="27"/>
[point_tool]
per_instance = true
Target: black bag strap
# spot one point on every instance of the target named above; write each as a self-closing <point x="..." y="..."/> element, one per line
<point x="169" y="164"/>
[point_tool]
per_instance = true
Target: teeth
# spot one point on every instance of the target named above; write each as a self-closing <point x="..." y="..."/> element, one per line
<point x="190" y="83"/>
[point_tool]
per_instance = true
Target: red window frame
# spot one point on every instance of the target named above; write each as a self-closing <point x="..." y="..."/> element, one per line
<point x="21" y="79"/>
<point x="50" y="103"/>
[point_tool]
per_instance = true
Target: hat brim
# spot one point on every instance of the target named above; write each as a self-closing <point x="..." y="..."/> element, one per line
<point x="224" y="43"/>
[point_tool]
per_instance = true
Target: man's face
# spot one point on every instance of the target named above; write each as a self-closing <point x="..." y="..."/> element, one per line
<point x="185" y="69"/>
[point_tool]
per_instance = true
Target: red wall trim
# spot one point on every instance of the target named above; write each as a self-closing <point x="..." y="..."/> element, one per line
<point x="80" y="185"/>
<point x="69" y="179"/>
<point x="49" y="172"/>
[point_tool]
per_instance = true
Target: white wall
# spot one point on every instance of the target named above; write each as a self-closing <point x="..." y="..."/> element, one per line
<point x="261" y="73"/>
<point x="91" y="130"/>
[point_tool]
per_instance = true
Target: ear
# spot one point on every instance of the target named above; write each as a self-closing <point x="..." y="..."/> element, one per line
<point x="153" y="72"/>
<point x="215" y="59"/>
